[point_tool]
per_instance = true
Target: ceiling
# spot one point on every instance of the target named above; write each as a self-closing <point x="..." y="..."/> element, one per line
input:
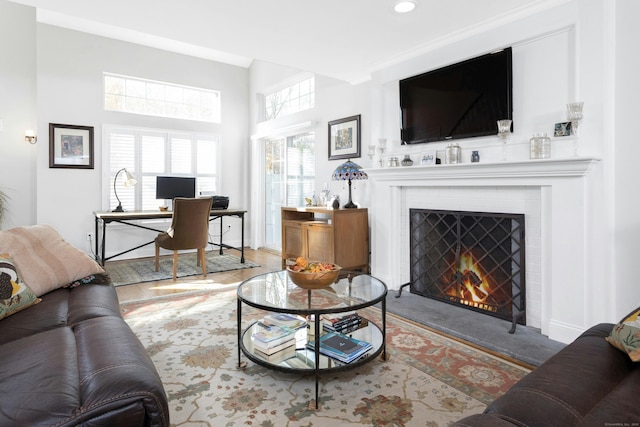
<point x="344" y="39"/>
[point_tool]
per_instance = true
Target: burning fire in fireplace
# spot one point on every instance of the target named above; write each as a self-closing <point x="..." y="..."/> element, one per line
<point x="470" y="259"/>
<point x="470" y="286"/>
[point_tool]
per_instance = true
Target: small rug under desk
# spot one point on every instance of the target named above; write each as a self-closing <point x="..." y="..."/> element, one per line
<point x="138" y="270"/>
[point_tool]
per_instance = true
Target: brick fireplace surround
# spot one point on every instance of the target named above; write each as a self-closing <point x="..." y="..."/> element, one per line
<point x="551" y="195"/>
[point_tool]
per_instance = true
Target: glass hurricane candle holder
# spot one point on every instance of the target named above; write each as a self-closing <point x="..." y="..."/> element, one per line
<point x="504" y="128"/>
<point x="382" y="146"/>
<point x="372" y="152"/>
<point x="574" y="114"/>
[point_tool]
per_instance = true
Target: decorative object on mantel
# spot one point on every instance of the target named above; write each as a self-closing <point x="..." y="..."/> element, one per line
<point x="382" y="147"/>
<point x="344" y="138"/>
<point x="349" y="171"/>
<point x="371" y="153"/>
<point x="539" y="146"/>
<point x="453" y="154"/>
<point x="475" y="156"/>
<point x="562" y="129"/>
<point x="428" y="158"/>
<point x="393" y="162"/>
<point x="504" y="128"/>
<point x="574" y="113"/>
<point x="407" y="160"/>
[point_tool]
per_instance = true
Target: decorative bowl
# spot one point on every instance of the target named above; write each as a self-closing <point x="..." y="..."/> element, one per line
<point x="309" y="280"/>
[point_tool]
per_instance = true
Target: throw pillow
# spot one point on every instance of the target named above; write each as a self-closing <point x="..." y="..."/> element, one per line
<point x="44" y="259"/>
<point x="625" y="336"/>
<point x="14" y="294"/>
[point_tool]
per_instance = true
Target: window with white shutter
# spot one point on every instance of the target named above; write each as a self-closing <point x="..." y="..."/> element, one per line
<point x="148" y="154"/>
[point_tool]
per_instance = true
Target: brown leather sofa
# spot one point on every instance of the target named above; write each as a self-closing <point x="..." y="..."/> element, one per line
<point x="71" y="360"/>
<point x="587" y="383"/>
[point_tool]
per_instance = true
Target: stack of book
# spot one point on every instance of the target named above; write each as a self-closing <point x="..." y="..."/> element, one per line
<point x="341" y="347"/>
<point x="284" y="319"/>
<point x="274" y="343"/>
<point x="344" y="323"/>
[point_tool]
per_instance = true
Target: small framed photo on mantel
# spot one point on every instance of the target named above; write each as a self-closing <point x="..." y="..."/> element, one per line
<point x="344" y="138"/>
<point x="70" y="146"/>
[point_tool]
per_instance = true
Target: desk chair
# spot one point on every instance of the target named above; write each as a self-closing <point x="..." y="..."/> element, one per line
<point x="189" y="230"/>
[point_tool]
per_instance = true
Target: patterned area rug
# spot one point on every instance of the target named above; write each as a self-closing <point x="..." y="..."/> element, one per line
<point x="429" y="380"/>
<point x="140" y="270"/>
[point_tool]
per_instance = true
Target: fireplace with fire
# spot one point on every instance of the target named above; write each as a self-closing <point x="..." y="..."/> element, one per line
<point x="471" y="259"/>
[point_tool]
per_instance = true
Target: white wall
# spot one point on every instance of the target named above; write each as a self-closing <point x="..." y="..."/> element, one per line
<point x="18" y="111"/>
<point x="623" y="229"/>
<point x="70" y="88"/>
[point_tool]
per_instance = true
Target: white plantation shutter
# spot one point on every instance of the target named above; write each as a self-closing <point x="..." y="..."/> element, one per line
<point x="148" y="154"/>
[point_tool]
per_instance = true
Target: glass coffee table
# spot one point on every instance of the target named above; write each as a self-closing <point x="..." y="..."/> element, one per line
<point x="276" y="293"/>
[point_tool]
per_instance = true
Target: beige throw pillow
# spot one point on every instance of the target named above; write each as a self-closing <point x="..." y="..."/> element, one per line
<point x="44" y="260"/>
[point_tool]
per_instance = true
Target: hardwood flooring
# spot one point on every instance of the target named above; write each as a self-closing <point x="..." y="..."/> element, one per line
<point x="268" y="260"/>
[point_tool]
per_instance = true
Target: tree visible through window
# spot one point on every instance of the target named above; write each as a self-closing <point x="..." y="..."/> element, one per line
<point x="298" y="97"/>
<point x="289" y="178"/>
<point x="141" y="96"/>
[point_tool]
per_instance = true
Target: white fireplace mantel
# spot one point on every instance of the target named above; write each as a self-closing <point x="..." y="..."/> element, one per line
<point x="563" y="212"/>
<point x="576" y="166"/>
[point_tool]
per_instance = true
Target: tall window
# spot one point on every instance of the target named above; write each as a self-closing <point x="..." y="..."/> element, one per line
<point x="297" y="97"/>
<point x="290" y="177"/>
<point x="141" y="96"/>
<point x="148" y="154"/>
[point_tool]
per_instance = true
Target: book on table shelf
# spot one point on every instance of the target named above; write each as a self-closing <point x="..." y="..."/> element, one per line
<point x="266" y="348"/>
<point x="285" y="319"/>
<point x="271" y="336"/>
<point x="344" y="324"/>
<point x="283" y="354"/>
<point x="341" y="347"/>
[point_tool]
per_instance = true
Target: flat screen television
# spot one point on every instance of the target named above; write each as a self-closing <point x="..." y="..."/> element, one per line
<point x="462" y="100"/>
<point x="170" y="187"/>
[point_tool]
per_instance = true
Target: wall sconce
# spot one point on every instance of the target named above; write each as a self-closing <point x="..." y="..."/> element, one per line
<point x="30" y="136"/>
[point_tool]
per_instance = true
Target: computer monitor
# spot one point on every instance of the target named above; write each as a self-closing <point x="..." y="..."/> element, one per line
<point x="170" y="187"/>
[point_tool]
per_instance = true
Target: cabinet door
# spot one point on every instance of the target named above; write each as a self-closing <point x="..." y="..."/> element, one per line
<point x="292" y="240"/>
<point x="318" y="241"/>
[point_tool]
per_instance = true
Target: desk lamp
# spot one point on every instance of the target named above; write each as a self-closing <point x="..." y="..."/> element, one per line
<point x="130" y="182"/>
<point x="349" y="171"/>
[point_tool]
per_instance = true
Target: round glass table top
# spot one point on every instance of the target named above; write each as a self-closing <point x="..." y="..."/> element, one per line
<point x="276" y="291"/>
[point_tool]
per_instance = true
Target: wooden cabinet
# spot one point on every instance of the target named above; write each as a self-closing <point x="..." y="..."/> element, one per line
<point x="340" y="236"/>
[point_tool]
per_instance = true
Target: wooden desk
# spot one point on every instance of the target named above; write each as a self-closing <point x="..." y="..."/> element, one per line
<point x="127" y="218"/>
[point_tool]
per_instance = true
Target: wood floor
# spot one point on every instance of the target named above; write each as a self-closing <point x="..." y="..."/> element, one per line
<point x="269" y="261"/>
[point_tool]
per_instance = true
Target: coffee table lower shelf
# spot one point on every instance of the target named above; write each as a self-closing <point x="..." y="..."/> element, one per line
<point x="306" y="361"/>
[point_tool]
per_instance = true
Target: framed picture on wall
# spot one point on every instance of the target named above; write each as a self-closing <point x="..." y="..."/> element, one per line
<point x="70" y="146"/>
<point x="344" y="138"/>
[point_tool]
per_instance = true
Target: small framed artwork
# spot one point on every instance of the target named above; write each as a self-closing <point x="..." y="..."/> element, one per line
<point x="344" y="138"/>
<point x="562" y="129"/>
<point x="70" y="146"/>
<point x="428" y="158"/>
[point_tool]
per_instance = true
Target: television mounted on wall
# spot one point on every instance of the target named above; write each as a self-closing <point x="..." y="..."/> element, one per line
<point x="170" y="187"/>
<point x="462" y="100"/>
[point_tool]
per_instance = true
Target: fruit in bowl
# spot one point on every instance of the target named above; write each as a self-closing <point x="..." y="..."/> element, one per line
<point x="312" y="274"/>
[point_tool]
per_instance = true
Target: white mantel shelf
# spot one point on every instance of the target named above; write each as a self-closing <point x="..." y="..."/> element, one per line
<point x="568" y="167"/>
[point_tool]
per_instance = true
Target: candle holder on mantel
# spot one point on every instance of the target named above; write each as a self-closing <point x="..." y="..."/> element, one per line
<point x="574" y="113"/>
<point x="382" y="146"/>
<point x="504" y="129"/>
<point x="371" y="153"/>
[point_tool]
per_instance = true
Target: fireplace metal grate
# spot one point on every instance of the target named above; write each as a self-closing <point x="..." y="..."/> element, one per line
<point x="470" y="259"/>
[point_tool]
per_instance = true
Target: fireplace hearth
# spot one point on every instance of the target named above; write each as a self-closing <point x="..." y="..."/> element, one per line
<point x="475" y="260"/>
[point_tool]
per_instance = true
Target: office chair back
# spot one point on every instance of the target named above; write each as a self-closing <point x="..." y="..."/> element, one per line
<point x="189" y="230"/>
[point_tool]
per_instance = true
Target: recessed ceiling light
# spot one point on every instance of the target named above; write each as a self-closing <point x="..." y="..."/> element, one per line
<point x="404" y="6"/>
